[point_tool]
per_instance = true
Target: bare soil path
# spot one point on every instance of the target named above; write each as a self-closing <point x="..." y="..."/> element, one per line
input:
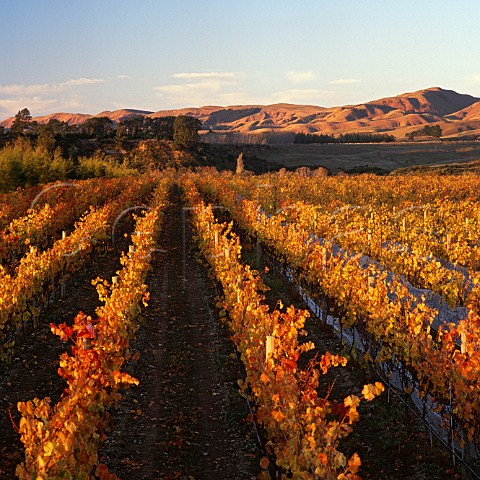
<point x="186" y="419"/>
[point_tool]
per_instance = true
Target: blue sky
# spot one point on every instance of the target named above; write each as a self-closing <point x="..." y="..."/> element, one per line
<point x="86" y="56"/>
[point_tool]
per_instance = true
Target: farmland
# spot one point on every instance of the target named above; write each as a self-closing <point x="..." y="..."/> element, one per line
<point x="211" y="325"/>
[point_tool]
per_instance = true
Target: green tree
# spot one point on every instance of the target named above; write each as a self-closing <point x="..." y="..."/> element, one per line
<point x="46" y="139"/>
<point x="22" y="120"/>
<point x="99" y="127"/>
<point x="185" y="132"/>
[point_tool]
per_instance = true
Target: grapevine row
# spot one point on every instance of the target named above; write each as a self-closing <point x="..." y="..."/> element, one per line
<point x="304" y="428"/>
<point x="38" y="274"/>
<point x="398" y="323"/>
<point x="61" y="441"/>
<point x="39" y="226"/>
<point x="432" y="217"/>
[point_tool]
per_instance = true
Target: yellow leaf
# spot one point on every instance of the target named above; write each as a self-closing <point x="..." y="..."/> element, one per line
<point x="278" y="415"/>
<point x="352" y="401"/>
<point x="48" y="449"/>
<point x="370" y="391"/>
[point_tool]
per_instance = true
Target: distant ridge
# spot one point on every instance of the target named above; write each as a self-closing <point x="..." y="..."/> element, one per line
<point x="457" y="114"/>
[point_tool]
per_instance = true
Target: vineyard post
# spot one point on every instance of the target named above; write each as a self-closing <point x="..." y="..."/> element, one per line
<point x="216" y="238"/>
<point x="64" y="234"/>
<point x="115" y="280"/>
<point x="183" y="246"/>
<point x="270" y="346"/>
<point x="324" y="258"/>
<point x="240" y="287"/>
<point x="131" y="249"/>
<point x="463" y="344"/>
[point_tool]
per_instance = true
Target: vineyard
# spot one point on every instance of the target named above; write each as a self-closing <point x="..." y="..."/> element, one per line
<point x="210" y="325"/>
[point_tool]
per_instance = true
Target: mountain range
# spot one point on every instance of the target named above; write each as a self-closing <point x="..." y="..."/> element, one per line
<point x="457" y="114"/>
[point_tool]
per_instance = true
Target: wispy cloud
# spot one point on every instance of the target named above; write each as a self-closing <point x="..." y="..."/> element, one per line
<point x="218" y="76"/>
<point x="344" y="81"/>
<point x="42" y="97"/>
<point x="301" y="77"/>
<point x="42" y="88"/>
<point x="202" y="88"/>
<point x="80" y="81"/>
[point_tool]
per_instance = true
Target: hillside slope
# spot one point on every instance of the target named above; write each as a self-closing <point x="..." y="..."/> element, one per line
<point x="457" y="114"/>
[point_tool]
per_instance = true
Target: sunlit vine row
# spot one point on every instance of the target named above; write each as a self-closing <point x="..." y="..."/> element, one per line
<point x="61" y="441"/>
<point x="40" y="226"/>
<point x="398" y="324"/>
<point x="304" y="428"/>
<point x="432" y="215"/>
<point x="15" y="204"/>
<point x="24" y="292"/>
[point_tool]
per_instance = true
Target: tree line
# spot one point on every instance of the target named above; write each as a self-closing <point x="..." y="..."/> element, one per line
<point x="181" y="130"/>
<point x="427" y="131"/>
<point x="35" y="153"/>
<point x="343" y="138"/>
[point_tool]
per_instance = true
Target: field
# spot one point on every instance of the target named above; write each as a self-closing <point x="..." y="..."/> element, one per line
<point x="205" y="325"/>
<point x="381" y="158"/>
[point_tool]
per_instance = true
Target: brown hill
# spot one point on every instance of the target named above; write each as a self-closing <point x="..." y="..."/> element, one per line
<point x="78" y="118"/>
<point x="457" y="114"/>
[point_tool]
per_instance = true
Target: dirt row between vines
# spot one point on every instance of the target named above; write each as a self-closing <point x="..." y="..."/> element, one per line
<point x="186" y="419"/>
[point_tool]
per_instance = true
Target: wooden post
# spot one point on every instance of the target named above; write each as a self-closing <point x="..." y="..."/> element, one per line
<point x="64" y="235"/>
<point x="369" y="237"/>
<point x="270" y="347"/>
<point x="115" y="280"/>
<point x="404" y="224"/>
<point x="216" y="238"/>
<point x="227" y="253"/>
<point x="463" y="345"/>
<point x="131" y="249"/>
<point x="239" y="286"/>
<point x="324" y="258"/>
<point x="371" y="282"/>
<point x="449" y="240"/>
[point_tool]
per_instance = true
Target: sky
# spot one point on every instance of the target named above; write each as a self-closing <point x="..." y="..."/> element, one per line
<point x="87" y="56"/>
